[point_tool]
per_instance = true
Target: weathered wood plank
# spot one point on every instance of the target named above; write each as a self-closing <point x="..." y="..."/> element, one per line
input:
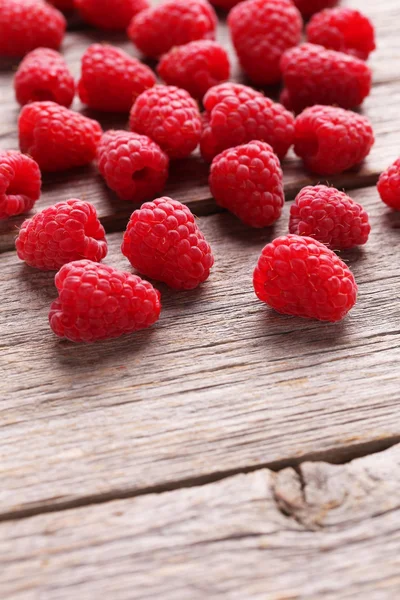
<point x="331" y="534"/>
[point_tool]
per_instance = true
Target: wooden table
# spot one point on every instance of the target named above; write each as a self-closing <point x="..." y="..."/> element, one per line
<point x="228" y="452"/>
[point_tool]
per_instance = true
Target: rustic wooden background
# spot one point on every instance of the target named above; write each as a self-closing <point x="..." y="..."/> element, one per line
<point x="193" y="460"/>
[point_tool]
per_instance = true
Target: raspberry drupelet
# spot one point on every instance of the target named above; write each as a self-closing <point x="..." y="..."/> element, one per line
<point x="162" y="241"/>
<point x="331" y="140"/>
<point x="20" y="183"/>
<point x="110" y="14"/>
<point x="389" y="185"/>
<point x="329" y="216"/>
<point x="62" y="233"/>
<point x="97" y="302"/>
<point x="299" y="276"/>
<point x="111" y="80"/>
<point x="248" y="181"/>
<point x="310" y="7"/>
<point x="261" y="32"/>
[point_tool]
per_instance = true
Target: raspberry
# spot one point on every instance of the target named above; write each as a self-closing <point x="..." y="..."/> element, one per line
<point x="62" y="233"/>
<point x="44" y="75"/>
<point x="329" y="216"/>
<point x="309" y="7"/>
<point x="389" y="185"/>
<point x="173" y="23"/>
<point x="226" y="90"/>
<point x="170" y="117"/>
<point x="162" y="241"/>
<point x="299" y="276"/>
<point x="64" y="5"/>
<point x="261" y="32"/>
<point x="343" y="29"/>
<point x="109" y="69"/>
<point x="29" y="24"/>
<point x="20" y="183"/>
<point x="195" y="67"/>
<point x="133" y="165"/>
<point x="314" y="75"/>
<point x="331" y="140"/>
<point x="56" y="137"/>
<point x="97" y="302"/>
<point x="247" y="180"/>
<point x="110" y="14"/>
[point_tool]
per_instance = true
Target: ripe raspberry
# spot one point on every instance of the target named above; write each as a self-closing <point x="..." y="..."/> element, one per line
<point x="29" y="24"/>
<point x="309" y="7"/>
<point x="261" y="32"/>
<point x="343" y="29"/>
<point x="170" y="117"/>
<point x="314" y="75"/>
<point x="329" y="216"/>
<point x="62" y="233"/>
<point x="389" y="185"/>
<point x="299" y="276"/>
<point x="97" y="302"/>
<point x="173" y="23"/>
<point x="162" y="241"/>
<point x="20" y="183"/>
<point x="64" y="5"/>
<point x="195" y="67"/>
<point x="248" y="181"/>
<point x="56" y="137"/>
<point x="331" y="140"/>
<point x="226" y="90"/>
<point x="110" y="14"/>
<point x="133" y="165"/>
<point x="44" y="75"/>
<point x="111" y="80"/>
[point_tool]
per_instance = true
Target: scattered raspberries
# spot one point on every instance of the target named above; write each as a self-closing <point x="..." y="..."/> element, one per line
<point x="62" y="233"/>
<point x="389" y="186"/>
<point x="343" y="29"/>
<point x="29" y="24"/>
<point x="173" y="23"/>
<point x="44" y="75"/>
<point x="111" y="80"/>
<point x="162" y="241"/>
<point x="300" y="276"/>
<point x="329" y="216"/>
<point x="195" y="67"/>
<point x="261" y="32"/>
<point x="237" y="114"/>
<point x="170" y="117"/>
<point x="309" y="7"/>
<point x="56" y="137"/>
<point x="133" y="165"/>
<point x="97" y="302"/>
<point x="110" y="14"/>
<point x="247" y="180"/>
<point x="314" y="75"/>
<point x="331" y="140"/>
<point x="20" y="183"/>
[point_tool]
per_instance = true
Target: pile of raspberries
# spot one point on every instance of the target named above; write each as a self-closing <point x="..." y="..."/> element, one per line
<point x="189" y="103"/>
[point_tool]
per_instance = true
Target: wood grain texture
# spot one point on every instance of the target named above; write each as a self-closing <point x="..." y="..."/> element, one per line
<point x="326" y="533"/>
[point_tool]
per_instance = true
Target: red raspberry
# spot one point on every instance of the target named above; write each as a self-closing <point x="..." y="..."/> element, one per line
<point x="170" y="117"/>
<point x="329" y="216"/>
<point x="29" y="24"/>
<point x="110" y="14"/>
<point x="389" y="185"/>
<point x="44" y="75"/>
<point x="162" y="241"/>
<point x="299" y="276"/>
<point x="20" y="183"/>
<point x="97" y="302"/>
<point x="331" y="140"/>
<point x="309" y="7"/>
<point x="247" y="180"/>
<point x="314" y="75"/>
<point x="261" y="32"/>
<point x="64" y="5"/>
<point x="133" y="165"/>
<point x="56" y="137"/>
<point x="195" y="67"/>
<point x="343" y="29"/>
<point x="226" y="90"/>
<point x="173" y="23"/>
<point x="62" y="233"/>
<point x="111" y="80"/>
